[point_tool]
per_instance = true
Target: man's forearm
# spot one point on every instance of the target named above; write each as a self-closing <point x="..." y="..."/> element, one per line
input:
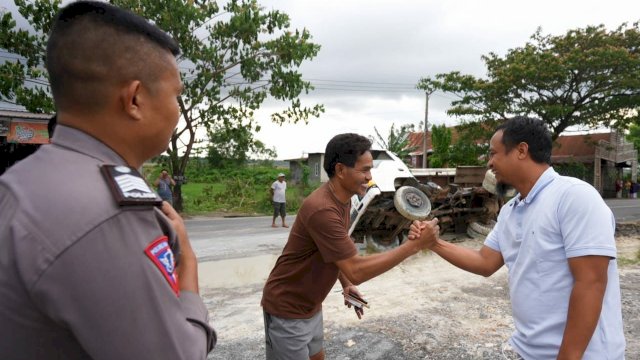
<point x="585" y="305"/>
<point x="483" y="262"/>
<point x="364" y="268"/>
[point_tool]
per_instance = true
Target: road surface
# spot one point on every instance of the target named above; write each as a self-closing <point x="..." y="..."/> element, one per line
<point x="227" y="238"/>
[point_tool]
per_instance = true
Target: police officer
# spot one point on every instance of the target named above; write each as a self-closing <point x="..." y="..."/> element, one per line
<point x="93" y="264"/>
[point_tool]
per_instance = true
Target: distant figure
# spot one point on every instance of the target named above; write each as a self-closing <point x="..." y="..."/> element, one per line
<point x="164" y="184"/>
<point x="634" y="189"/>
<point x="619" y="185"/>
<point x="278" y="196"/>
<point x="627" y="189"/>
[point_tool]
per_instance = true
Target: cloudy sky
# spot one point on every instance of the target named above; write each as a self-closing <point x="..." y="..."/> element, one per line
<point x="374" y="52"/>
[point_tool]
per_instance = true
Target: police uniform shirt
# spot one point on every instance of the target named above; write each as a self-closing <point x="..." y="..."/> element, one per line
<point x="79" y="278"/>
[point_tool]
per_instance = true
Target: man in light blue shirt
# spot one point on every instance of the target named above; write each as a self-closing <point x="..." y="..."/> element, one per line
<point x="556" y="238"/>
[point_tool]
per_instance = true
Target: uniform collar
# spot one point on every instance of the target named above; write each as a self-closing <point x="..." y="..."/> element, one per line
<point x="545" y="179"/>
<point x="81" y="142"/>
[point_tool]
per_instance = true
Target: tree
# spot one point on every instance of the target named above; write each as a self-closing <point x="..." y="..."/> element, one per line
<point x="24" y="80"/>
<point x="398" y="141"/>
<point x="233" y="59"/>
<point x="232" y="146"/>
<point x="468" y="148"/>
<point x="441" y="143"/>
<point x="588" y="77"/>
<point x="634" y="136"/>
<point x="471" y="146"/>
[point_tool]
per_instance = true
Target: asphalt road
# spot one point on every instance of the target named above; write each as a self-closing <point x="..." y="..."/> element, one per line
<point x="625" y="209"/>
<point x="229" y="238"/>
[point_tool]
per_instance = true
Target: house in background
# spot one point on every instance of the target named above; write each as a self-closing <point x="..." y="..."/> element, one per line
<point x="315" y="163"/>
<point x="604" y="156"/>
<point x="416" y="142"/>
<point x="416" y="156"/>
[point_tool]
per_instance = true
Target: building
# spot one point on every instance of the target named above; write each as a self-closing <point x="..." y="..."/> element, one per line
<point x="315" y="162"/>
<point x="603" y="157"/>
<point x="416" y="141"/>
<point x="600" y="158"/>
<point x="21" y="133"/>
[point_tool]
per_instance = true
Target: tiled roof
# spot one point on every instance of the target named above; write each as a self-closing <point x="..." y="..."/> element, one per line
<point x="577" y="145"/>
<point x="416" y="139"/>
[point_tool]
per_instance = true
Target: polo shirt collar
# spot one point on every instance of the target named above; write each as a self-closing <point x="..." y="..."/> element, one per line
<point x="545" y="179"/>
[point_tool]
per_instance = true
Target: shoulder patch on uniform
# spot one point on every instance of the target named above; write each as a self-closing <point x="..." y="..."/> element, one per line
<point x="128" y="186"/>
<point x="162" y="257"/>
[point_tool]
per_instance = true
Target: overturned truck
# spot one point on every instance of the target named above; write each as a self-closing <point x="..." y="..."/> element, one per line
<point x="381" y="218"/>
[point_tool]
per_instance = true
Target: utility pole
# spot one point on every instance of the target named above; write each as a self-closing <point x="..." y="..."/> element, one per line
<point x="426" y="132"/>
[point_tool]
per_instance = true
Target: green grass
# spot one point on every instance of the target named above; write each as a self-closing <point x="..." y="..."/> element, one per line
<point x="198" y="197"/>
<point x="193" y="190"/>
<point x="237" y="197"/>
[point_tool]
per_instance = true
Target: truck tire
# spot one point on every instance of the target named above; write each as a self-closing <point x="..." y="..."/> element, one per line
<point x="412" y="203"/>
<point x="376" y="245"/>
<point x="479" y="230"/>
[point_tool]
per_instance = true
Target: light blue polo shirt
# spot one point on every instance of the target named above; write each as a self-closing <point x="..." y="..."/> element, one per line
<point x="561" y="218"/>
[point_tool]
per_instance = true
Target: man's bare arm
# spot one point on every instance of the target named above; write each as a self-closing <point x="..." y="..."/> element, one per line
<point x="585" y="304"/>
<point x="485" y="261"/>
<point x="359" y="269"/>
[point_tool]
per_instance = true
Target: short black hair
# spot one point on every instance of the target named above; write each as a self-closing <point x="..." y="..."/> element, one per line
<point x="93" y="45"/>
<point x="532" y="131"/>
<point x="344" y="149"/>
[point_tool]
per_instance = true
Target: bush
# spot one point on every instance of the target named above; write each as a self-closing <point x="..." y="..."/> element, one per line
<point x="242" y="189"/>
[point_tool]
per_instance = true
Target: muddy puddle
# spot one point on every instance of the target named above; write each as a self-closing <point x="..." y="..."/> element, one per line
<point x="236" y="272"/>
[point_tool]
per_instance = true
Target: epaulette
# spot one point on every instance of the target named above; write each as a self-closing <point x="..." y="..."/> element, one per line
<point x="128" y="186"/>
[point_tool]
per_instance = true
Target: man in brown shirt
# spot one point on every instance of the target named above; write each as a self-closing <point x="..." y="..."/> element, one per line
<point x="319" y="252"/>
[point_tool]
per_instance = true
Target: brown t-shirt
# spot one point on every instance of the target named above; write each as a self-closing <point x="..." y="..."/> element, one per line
<point x="306" y="271"/>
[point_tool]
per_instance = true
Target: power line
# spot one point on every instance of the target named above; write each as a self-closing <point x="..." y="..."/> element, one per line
<point x="366" y="90"/>
<point x="361" y="82"/>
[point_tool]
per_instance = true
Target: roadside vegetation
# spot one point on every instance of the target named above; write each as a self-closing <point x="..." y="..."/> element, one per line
<point x="233" y="190"/>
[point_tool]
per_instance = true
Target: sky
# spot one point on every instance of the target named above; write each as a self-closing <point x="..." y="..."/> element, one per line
<point x="374" y="52"/>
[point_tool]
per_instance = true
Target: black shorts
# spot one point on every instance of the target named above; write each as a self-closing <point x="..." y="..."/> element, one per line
<point x="278" y="209"/>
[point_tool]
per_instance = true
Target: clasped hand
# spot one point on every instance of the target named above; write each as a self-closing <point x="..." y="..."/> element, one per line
<point x="425" y="232"/>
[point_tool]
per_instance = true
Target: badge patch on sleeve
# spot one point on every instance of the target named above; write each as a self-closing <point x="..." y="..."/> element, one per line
<point x="161" y="255"/>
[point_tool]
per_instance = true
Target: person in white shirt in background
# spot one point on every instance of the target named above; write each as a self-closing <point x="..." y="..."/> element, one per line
<point x="278" y="196"/>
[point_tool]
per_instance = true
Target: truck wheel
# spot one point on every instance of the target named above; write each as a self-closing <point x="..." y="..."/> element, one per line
<point x="479" y="230"/>
<point x="412" y="203"/>
<point x="377" y="245"/>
